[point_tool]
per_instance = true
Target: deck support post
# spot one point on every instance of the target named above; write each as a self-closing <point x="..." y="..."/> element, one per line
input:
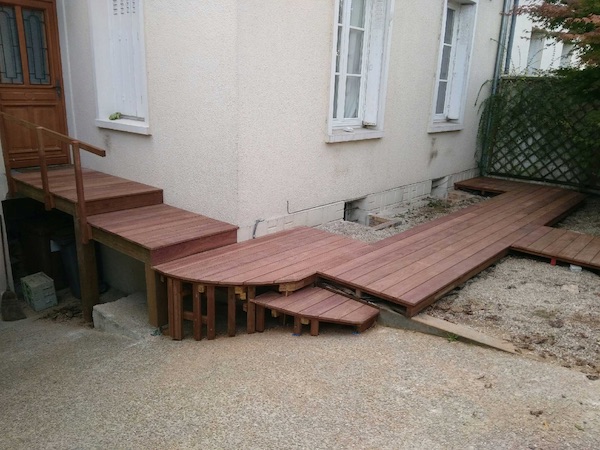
<point x="156" y="298"/>
<point x="211" y="332"/>
<point x="175" y="309"/>
<point x="314" y="327"/>
<point x="197" y="310"/>
<point x="297" y="326"/>
<point x="260" y="318"/>
<point x="231" y="311"/>
<point x="88" y="271"/>
<point x="251" y="313"/>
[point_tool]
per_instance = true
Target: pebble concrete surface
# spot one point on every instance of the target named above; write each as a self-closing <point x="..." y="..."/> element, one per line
<point x="65" y="386"/>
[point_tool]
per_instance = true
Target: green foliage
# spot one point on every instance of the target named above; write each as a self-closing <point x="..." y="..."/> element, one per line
<point x="544" y="128"/>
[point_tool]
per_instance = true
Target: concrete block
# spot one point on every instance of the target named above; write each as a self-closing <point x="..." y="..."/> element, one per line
<point x="127" y="316"/>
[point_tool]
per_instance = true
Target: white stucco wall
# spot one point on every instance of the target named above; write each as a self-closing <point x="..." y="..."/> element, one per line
<point x="192" y="85"/>
<point x="238" y="101"/>
<point x="284" y="97"/>
<point x="550" y="54"/>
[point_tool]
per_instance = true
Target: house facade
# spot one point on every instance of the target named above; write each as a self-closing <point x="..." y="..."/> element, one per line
<point x="533" y="52"/>
<point x="272" y="114"/>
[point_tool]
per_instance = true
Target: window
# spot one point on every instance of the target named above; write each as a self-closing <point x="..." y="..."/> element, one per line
<point x="359" y="66"/>
<point x="453" y="67"/>
<point x="566" y="55"/>
<point x="118" y="37"/>
<point x="535" y="51"/>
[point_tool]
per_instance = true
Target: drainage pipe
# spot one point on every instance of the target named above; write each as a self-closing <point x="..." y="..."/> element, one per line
<point x="495" y="81"/>
<point x="501" y="46"/>
<point x="511" y="37"/>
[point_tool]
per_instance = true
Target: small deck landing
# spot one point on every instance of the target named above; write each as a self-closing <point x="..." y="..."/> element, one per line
<point x="160" y="233"/>
<point x="314" y="305"/>
<point x="562" y="245"/>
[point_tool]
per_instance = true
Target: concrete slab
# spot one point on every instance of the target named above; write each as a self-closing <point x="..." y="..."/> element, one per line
<point x="127" y="316"/>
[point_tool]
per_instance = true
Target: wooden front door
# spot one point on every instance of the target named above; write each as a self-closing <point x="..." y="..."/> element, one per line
<point x="31" y="80"/>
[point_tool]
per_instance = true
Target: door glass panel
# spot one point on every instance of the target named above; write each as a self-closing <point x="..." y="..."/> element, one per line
<point x="37" y="47"/>
<point x="11" y="71"/>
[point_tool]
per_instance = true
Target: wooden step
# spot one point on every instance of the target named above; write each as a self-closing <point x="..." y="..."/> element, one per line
<point x="315" y="305"/>
<point x="103" y="192"/>
<point x="160" y="233"/>
<point x="561" y="245"/>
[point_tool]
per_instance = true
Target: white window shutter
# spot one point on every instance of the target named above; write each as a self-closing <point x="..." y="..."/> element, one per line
<point x="125" y="55"/>
<point x="461" y="62"/>
<point x="375" y="62"/>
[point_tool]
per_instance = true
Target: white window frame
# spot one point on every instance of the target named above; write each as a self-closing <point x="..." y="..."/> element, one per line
<point x="465" y="17"/>
<point x="375" y="63"/>
<point x="535" y="52"/>
<point x="120" y="73"/>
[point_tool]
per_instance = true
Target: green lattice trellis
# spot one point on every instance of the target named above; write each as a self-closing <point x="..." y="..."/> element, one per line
<point x="535" y="129"/>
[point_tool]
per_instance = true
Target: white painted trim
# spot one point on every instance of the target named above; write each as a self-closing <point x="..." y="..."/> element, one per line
<point x="460" y="67"/>
<point x="131" y="126"/>
<point x="440" y="127"/>
<point x="335" y="127"/>
<point x="359" y="134"/>
<point x="99" y="16"/>
<point x="67" y="88"/>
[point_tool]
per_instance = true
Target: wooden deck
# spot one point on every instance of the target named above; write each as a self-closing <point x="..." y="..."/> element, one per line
<point x="197" y="255"/>
<point x="160" y="233"/>
<point x="314" y="305"/>
<point x="411" y="269"/>
<point x="131" y="218"/>
<point x="561" y="245"/>
<point x="103" y="192"/>
<point x="286" y="259"/>
<point x="415" y="268"/>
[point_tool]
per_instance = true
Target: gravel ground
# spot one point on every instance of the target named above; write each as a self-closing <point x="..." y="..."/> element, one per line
<point x="65" y="385"/>
<point x="548" y="311"/>
<point x="71" y="387"/>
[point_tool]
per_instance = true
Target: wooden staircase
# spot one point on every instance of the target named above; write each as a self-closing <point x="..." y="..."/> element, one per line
<point x="127" y="216"/>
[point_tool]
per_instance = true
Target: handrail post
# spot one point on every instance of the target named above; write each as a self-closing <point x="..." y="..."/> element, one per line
<point x="81" y="214"/>
<point x="7" y="167"/>
<point x="48" y="198"/>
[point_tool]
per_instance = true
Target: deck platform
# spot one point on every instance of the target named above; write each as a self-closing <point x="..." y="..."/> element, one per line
<point x="160" y="233"/>
<point x="561" y="245"/>
<point x="411" y="269"/>
<point x="131" y="218"/>
<point x="189" y="256"/>
<point x="314" y="305"/>
<point x="103" y="192"/>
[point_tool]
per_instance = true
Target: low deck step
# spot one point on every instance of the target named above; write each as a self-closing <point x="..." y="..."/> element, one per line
<point x="315" y="305"/>
<point x="561" y="245"/>
<point x="160" y="233"/>
<point x="103" y="192"/>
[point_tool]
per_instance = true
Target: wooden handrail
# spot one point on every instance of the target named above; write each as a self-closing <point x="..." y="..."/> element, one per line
<point x="75" y="147"/>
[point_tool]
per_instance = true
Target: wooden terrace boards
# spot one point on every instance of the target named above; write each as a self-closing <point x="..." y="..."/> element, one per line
<point x="282" y="259"/>
<point x="190" y="257"/>
<point x="103" y="192"/>
<point x="411" y="269"/>
<point x="160" y="233"/>
<point x="561" y="245"/>
<point x="129" y="217"/>
<point x="415" y="268"/>
<point x="315" y="305"/>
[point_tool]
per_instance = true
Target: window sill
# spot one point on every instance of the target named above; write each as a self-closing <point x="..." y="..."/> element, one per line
<point x="359" y="134"/>
<point x="440" y="127"/>
<point x="127" y="125"/>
